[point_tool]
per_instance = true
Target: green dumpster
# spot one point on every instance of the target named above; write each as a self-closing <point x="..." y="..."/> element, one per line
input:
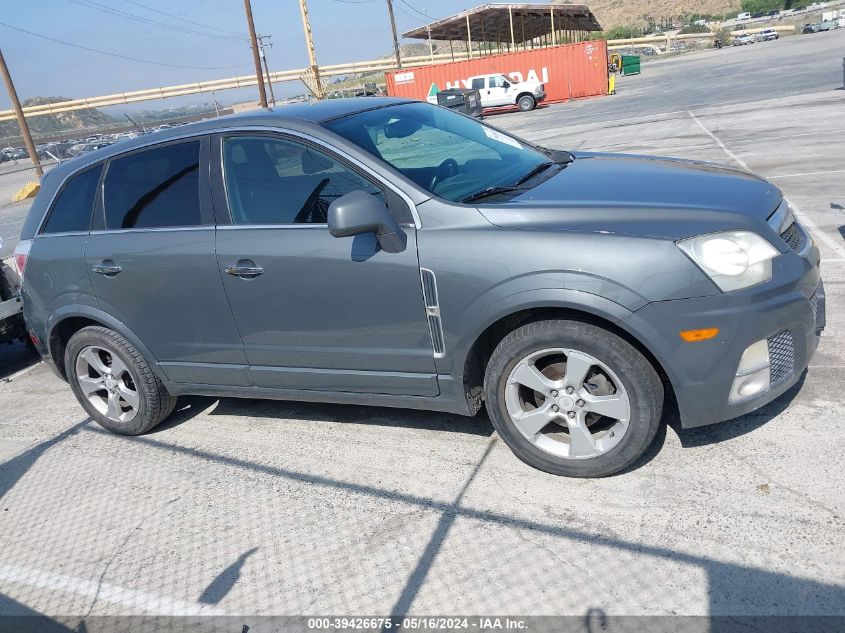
<point x="630" y="64"/>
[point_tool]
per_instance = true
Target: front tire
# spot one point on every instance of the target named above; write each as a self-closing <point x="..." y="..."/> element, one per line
<point x="571" y="398"/>
<point x="114" y="383"/>
<point x="526" y="103"/>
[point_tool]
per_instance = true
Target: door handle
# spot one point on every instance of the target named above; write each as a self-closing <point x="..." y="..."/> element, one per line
<point x="245" y="269"/>
<point x="107" y="268"/>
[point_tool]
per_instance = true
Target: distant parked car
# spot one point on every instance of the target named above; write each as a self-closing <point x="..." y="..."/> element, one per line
<point x="14" y="153"/>
<point x="809" y="28"/>
<point x="84" y="148"/>
<point x="742" y="39"/>
<point x="767" y="34"/>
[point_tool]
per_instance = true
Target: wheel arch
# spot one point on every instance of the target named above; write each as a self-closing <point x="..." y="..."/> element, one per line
<point x="67" y="322"/>
<point x="525" y="93"/>
<point x="472" y="362"/>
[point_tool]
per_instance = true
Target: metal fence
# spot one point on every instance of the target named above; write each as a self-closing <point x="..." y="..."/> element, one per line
<point x="15" y="175"/>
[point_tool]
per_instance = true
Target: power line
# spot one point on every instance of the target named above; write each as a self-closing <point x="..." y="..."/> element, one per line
<point x="355" y="1"/>
<point x="408" y="14"/>
<point x="413" y="8"/>
<point x="118" y="55"/>
<point x="90" y="4"/>
<point x="187" y="21"/>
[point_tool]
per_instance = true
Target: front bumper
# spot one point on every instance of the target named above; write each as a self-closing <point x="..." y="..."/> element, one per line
<point x="789" y="311"/>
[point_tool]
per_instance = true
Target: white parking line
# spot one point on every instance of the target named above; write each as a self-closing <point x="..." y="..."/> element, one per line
<point x="805" y="219"/>
<point x="104" y="592"/>
<point x="809" y="173"/>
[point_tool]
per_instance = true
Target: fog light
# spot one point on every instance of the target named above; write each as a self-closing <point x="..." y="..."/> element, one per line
<point x="755" y="357"/>
<point x="752" y="374"/>
<point x="750" y="384"/>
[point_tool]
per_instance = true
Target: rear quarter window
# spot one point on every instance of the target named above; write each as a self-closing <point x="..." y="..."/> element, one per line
<point x="71" y="210"/>
<point x="154" y="188"/>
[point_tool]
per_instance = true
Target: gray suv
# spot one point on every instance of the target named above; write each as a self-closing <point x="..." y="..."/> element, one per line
<point x="394" y="253"/>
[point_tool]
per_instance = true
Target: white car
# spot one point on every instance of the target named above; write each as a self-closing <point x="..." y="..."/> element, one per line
<point x="498" y="90"/>
<point x="742" y="39"/>
<point x="767" y="34"/>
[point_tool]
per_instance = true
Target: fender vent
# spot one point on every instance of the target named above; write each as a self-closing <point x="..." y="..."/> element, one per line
<point x="432" y="311"/>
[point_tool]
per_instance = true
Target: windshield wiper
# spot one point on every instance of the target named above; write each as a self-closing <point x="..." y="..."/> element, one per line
<point x="538" y="169"/>
<point x="489" y="191"/>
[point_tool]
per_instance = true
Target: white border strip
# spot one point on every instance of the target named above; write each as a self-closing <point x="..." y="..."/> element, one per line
<point x="105" y="592"/>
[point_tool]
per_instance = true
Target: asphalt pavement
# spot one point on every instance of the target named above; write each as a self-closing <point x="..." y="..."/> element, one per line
<point x="249" y="508"/>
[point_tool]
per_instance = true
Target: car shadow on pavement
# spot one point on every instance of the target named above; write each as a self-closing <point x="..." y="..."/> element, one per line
<point x="730" y="429"/>
<point x="191" y="406"/>
<point x="15" y="357"/>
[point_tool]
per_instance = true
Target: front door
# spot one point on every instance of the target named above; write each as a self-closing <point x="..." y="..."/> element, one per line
<point x="497" y="91"/>
<point x="316" y="312"/>
<point x="151" y="262"/>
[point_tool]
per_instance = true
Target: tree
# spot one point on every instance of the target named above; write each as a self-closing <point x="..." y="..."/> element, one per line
<point x="761" y="6"/>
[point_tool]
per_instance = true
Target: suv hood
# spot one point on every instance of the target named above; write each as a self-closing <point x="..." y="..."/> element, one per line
<point x="640" y="195"/>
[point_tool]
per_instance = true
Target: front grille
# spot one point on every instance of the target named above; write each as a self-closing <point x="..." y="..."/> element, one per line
<point x="793" y="236"/>
<point x="781" y="356"/>
<point x="814" y="305"/>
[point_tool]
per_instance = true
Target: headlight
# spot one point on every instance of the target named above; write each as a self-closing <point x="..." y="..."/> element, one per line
<point x="733" y="259"/>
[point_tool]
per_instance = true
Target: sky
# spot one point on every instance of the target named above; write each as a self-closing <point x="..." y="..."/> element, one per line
<point x="200" y="33"/>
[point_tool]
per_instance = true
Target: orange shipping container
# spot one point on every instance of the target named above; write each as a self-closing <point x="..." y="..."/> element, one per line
<point x="568" y="71"/>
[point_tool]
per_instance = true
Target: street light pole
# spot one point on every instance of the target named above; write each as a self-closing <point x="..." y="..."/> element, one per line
<point x="16" y="105"/>
<point x="262" y="95"/>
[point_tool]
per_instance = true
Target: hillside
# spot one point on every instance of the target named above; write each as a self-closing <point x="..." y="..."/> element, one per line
<point x="613" y="13"/>
<point x="57" y="123"/>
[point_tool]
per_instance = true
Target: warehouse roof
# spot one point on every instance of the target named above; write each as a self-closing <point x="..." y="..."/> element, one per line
<point x="492" y="22"/>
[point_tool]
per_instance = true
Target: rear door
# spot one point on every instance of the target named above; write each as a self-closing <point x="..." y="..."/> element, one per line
<point x="316" y="312"/>
<point x="152" y="265"/>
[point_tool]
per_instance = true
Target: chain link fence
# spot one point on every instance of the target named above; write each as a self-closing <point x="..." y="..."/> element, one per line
<point x="14" y="175"/>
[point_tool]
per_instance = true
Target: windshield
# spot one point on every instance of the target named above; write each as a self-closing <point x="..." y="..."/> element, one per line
<point x="445" y="153"/>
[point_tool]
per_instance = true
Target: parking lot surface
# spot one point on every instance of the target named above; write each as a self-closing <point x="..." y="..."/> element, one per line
<point x="249" y="507"/>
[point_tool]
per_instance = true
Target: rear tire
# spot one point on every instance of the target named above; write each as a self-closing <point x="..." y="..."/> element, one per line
<point x="611" y="370"/>
<point x="526" y="103"/>
<point x="114" y="383"/>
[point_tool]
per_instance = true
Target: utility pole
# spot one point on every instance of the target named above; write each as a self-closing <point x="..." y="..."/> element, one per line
<point x="309" y="40"/>
<point x="261" y="45"/>
<point x="16" y="104"/>
<point x="393" y="27"/>
<point x="262" y="95"/>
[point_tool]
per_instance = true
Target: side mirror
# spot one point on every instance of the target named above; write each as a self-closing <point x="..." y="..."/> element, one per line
<point x="359" y="212"/>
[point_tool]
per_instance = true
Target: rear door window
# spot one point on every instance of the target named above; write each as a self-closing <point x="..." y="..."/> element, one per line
<point x="478" y="83"/>
<point x="154" y="188"/>
<point x="71" y="211"/>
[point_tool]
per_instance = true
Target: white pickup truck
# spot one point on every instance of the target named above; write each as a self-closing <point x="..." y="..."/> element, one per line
<point x="499" y="91"/>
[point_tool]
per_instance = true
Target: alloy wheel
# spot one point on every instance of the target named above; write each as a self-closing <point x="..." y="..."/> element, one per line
<point x="567" y="403"/>
<point x="107" y="383"/>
